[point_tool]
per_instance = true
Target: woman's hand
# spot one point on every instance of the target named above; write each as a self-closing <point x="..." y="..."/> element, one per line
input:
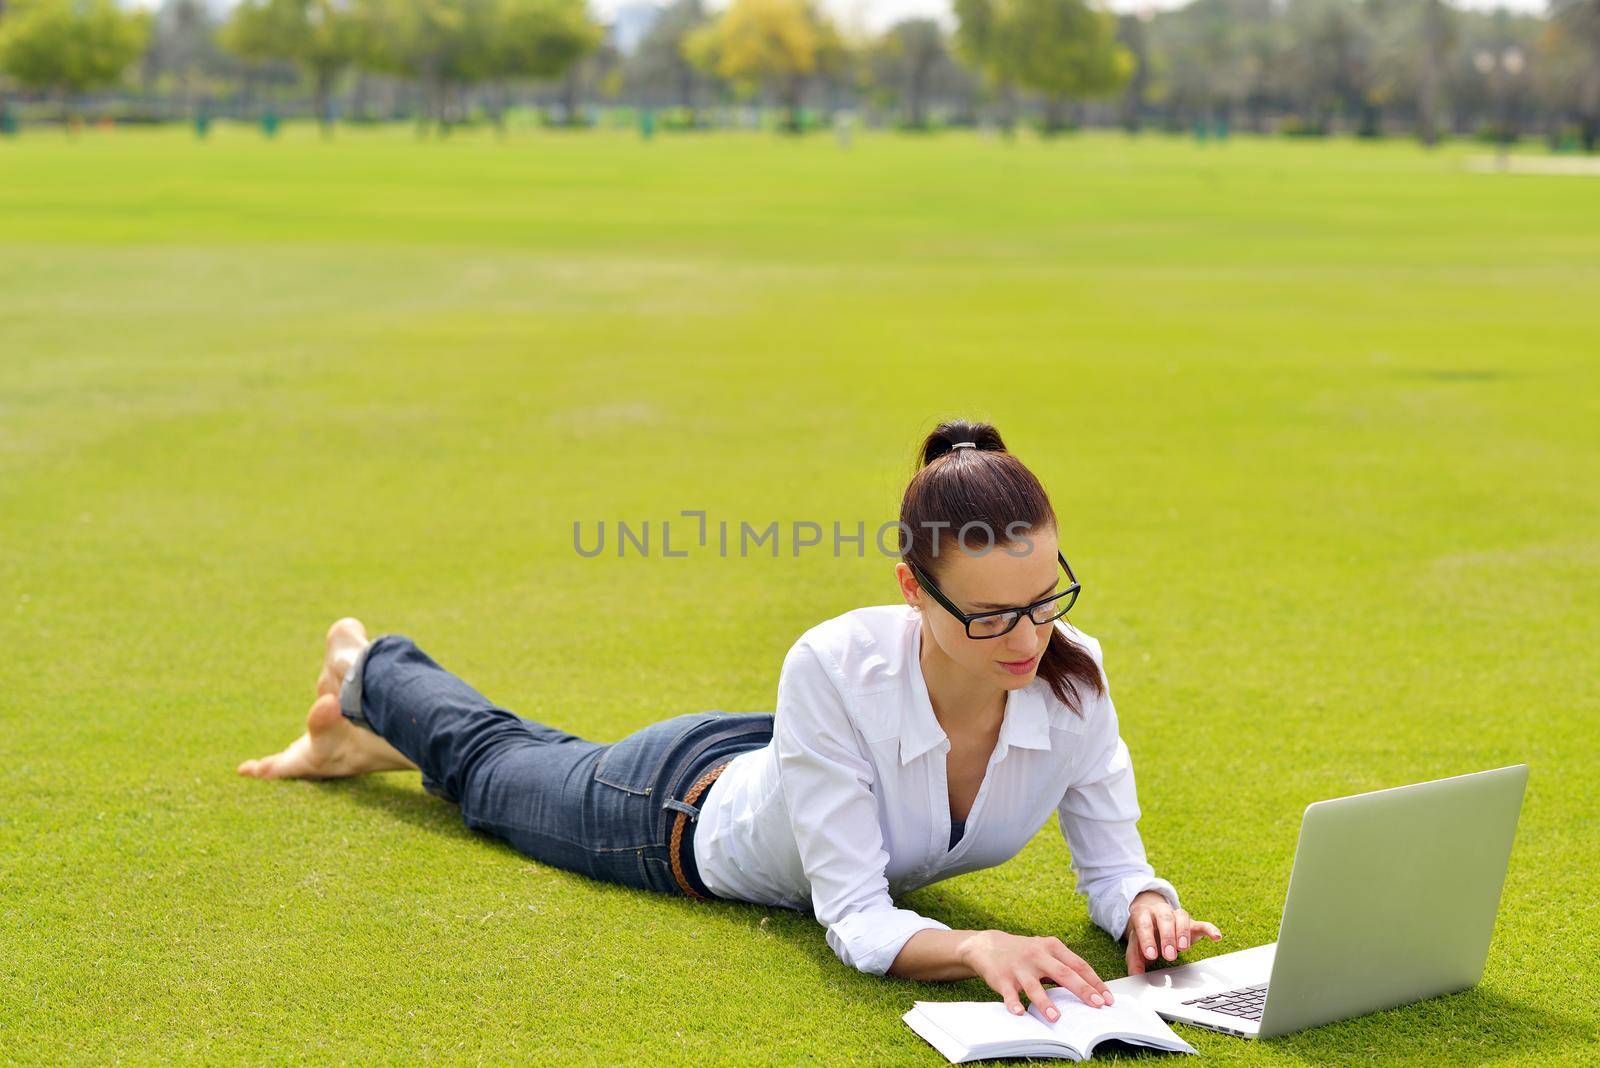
<point x="1015" y="964"/>
<point x="1151" y="920"/>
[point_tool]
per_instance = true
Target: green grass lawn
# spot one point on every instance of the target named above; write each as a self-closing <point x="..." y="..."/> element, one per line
<point x="1320" y="421"/>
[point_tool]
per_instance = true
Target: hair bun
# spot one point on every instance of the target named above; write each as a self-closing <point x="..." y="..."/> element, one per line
<point x="944" y="438"/>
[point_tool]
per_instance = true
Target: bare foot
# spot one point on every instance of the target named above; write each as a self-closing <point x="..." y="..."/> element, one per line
<point x="332" y="746"/>
<point x="344" y="642"/>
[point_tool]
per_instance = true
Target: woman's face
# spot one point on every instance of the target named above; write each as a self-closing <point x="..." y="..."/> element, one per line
<point x="980" y="583"/>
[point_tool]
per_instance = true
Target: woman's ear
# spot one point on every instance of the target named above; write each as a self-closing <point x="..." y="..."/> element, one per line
<point x="910" y="589"/>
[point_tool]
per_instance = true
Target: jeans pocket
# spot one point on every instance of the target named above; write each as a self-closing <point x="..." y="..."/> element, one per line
<point x="635" y="764"/>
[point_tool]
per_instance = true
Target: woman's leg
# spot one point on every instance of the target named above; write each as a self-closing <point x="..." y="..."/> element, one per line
<point x="449" y="730"/>
<point x="601" y="809"/>
<point x="386" y="705"/>
<point x="527" y="783"/>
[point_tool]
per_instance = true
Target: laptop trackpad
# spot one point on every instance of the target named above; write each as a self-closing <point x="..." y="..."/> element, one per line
<point x="1175" y="984"/>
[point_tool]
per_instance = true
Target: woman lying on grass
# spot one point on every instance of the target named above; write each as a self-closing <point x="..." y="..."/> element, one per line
<point x="911" y="742"/>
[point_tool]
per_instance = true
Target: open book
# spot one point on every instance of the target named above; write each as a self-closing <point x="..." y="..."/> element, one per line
<point x="977" y="1030"/>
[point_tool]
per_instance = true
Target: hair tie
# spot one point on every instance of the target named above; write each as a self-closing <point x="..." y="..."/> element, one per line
<point x="964" y="445"/>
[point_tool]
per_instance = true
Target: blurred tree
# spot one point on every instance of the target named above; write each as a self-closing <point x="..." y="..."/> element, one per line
<point x="540" y="39"/>
<point x="1437" y="37"/>
<point x="450" y="46"/>
<point x="1483" y="94"/>
<point x="661" y="60"/>
<point x="443" y="44"/>
<point x="322" y="36"/>
<point x="1062" y="49"/>
<point x="1331" y="62"/>
<point x="978" y="43"/>
<point x="848" y="78"/>
<point x="1577" y="27"/>
<point x="1392" y="73"/>
<point x="1133" y="34"/>
<point x="1209" y="66"/>
<point x="907" y="60"/>
<point x="70" y="46"/>
<point x="183" y="54"/>
<point x="595" y="71"/>
<point x="779" y="43"/>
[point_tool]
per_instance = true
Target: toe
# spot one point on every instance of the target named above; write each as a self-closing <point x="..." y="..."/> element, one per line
<point x="324" y="714"/>
<point x="348" y="630"/>
<point x="258" y="769"/>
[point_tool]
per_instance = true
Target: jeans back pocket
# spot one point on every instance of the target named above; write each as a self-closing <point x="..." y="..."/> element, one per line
<point x="636" y="763"/>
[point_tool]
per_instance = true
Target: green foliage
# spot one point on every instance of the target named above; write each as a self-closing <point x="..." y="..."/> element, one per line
<point x="70" y="45"/>
<point x="541" y="38"/>
<point x="466" y="41"/>
<point x="778" y="43"/>
<point x="1060" y="48"/>
<point x="906" y="64"/>
<point x="323" y="36"/>
<point x="1298" y="126"/>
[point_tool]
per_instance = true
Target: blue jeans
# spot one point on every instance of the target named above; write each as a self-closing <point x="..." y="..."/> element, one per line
<point x="604" y="809"/>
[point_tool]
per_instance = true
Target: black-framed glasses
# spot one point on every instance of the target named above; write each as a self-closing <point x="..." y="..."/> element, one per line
<point x="993" y="624"/>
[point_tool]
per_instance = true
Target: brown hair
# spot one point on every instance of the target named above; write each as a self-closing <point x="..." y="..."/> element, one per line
<point x="985" y="485"/>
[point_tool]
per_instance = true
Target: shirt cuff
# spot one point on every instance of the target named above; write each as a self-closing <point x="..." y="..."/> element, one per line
<point x="870" y="941"/>
<point x="1120" y="905"/>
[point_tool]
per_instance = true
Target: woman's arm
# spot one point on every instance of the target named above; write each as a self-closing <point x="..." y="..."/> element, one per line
<point x="1099" y="817"/>
<point x="1012" y="965"/>
<point x="827" y="789"/>
<point x="934" y="956"/>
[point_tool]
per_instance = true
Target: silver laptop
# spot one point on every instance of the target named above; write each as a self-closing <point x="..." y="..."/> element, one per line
<point x="1392" y="899"/>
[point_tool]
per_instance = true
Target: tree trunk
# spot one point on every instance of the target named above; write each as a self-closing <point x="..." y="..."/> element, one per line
<point x="1131" y="108"/>
<point x="1589" y="124"/>
<point x="440" y="103"/>
<point x="792" y="86"/>
<point x="917" y="93"/>
<point x="686" y="90"/>
<point x="1008" y="111"/>
<point x="324" y="95"/>
<point x="1055" y="119"/>
<point x="1432" y="61"/>
<point x="1371" y="120"/>
<point x="569" y="96"/>
<point x="497" y="97"/>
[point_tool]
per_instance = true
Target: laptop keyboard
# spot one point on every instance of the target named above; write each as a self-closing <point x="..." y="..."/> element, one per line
<point x="1244" y="1002"/>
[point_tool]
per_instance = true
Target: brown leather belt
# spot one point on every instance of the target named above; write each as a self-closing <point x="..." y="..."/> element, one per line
<point x="701" y="785"/>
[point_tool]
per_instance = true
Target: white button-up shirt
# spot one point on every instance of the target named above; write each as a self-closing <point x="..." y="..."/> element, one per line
<point x="850" y="804"/>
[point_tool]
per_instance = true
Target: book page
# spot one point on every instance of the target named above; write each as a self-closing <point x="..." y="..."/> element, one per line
<point x="982" y="1023"/>
<point x="936" y="1036"/>
<point x="1081" y="1025"/>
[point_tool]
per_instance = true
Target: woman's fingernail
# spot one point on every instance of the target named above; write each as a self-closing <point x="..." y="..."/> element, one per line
<point x="1051" y="1013"/>
<point x="1016" y="1010"/>
<point x="1097" y="999"/>
<point x="1150" y="951"/>
<point x="1183" y="943"/>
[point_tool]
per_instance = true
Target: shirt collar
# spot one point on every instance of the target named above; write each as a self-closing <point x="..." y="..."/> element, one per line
<point x="1026" y="724"/>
